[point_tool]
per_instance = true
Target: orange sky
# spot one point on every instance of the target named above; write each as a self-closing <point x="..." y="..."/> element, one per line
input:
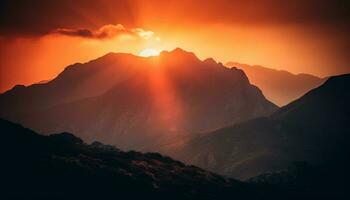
<point x="298" y="37"/>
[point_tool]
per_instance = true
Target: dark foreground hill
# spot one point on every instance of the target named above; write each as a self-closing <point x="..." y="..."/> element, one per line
<point x="135" y="102"/>
<point x="313" y="129"/>
<point x="62" y="166"/>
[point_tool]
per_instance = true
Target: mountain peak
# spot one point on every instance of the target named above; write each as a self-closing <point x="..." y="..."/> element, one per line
<point x="179" y="54"/>
<point x="179" y="50"/>
<point x="114" y="55"/>
<point x="210" y="61"/>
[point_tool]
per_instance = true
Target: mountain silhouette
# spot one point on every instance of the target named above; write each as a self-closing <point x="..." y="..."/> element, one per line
<point x="61" y="166"/>
<point x="280" y="87"/>
<point x="135" y="102"/>
<point x="313" y="129"/>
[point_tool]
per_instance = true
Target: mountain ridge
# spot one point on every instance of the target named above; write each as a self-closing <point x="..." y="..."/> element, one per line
<point x="127" y="100"/>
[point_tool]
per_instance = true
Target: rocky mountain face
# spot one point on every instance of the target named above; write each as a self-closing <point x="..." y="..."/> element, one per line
<point x="280" y="87"/>
<point x="313" y="129"/>
<point x="135" y="102"/>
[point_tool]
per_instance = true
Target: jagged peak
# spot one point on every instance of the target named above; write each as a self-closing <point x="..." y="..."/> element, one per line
<point x="180" y="51"/>
<point x="179" y="54"/>
<point x="210" y="61"/>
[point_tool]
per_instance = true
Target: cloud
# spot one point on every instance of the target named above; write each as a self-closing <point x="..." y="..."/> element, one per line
<point x="106" y="32"/>
<point x="38" y="17"/>
<point x="35" y="18"/>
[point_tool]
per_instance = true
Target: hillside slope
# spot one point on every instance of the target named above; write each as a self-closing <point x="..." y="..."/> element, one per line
<point x="61" y="166"/>
<point x="314" y="128"/>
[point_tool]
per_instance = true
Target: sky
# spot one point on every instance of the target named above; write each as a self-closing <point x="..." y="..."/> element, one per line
<point x="38" y="38"/>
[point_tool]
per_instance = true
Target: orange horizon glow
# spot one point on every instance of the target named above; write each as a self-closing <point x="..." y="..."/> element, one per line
<point x="225" y="30"/>
<point x="44" y="58"/>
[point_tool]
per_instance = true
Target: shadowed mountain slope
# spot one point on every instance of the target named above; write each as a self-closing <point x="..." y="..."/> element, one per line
<point x="280" y="87"/>
<point x="314" y="128"/>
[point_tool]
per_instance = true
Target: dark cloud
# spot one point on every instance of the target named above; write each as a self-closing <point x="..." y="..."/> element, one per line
<point x="37" y="17"/>
<point x="105" y="32"/>
<point x="75" y="32"/>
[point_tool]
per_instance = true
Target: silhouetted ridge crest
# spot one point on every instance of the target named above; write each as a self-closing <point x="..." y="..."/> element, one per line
<point x="210" y="61"/>
<point x="179" y="54"/>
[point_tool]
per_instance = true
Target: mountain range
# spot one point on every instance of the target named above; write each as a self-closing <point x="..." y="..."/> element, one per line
<point x="196" y="111"/>
<point x="279" y="86"/>
<point x="135" y="102"/>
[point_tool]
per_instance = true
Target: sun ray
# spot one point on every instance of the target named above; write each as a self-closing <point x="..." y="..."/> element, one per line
<point x="167" y="103"/>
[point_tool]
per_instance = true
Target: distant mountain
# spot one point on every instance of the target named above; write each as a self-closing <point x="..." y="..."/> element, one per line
<point x="61" y="166"/>
<point x="135" y="102"/>
<point x="280" y="87"/>
<point x="313" y="129"/>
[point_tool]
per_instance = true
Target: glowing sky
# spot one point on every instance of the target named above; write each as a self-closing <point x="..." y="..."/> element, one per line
<point x="39" y="38"/>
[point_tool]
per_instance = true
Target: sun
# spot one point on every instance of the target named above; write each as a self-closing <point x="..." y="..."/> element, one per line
<point x="149" y="52"/>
